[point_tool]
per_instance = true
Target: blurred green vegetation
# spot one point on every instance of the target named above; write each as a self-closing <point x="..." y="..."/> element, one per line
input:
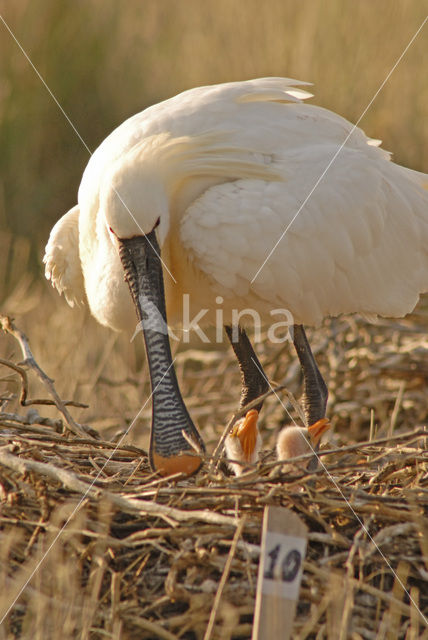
<point x="105" y="60"/>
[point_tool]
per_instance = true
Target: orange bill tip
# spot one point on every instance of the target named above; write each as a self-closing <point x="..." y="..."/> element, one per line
<point x="317" y="429"/>
<point x="247" y="433"/>
<point x="176" y="464"/>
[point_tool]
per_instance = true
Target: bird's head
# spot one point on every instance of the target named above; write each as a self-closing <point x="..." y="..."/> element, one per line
<point x="134" y="200"/>
<point x="296" y="441"/>
<point x="317" y="430"/>
<point x="245" y="430"/>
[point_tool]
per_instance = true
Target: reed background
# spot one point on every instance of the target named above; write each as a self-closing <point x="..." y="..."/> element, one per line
<point x="104" y="61"/>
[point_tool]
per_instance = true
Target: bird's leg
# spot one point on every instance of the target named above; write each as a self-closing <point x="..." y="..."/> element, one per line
<point x="254" y="381"/>
<point x="315" y="391"/>
<point x="243" y="442"/>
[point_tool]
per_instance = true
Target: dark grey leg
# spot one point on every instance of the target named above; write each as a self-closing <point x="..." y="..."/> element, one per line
<point x="315" y="391"/>
<point x="254" y="384"/>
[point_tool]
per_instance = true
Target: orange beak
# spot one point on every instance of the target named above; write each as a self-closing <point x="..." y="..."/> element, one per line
<point x="317" y="429"/>
<point x="247" y="433"/>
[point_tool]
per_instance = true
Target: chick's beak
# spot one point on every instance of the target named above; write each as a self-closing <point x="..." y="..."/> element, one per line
<point x="317" y="429"/>
<point x="247" y="432"/>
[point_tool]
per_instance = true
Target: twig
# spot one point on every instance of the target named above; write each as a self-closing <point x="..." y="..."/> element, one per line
<point x="153" y="627"/>
<point x="24" y="389"/>
<point x="396" y="409"/>
<point x="9" y="327"/>
<point x="8" y="422"/>
<point x="414" y="435"/>
<point x="224" y="577"/>
<point x="129" y="505"/>
<point x="368" y="588"/>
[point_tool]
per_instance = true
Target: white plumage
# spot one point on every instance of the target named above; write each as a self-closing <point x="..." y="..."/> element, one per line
<point x="226" y="168"/>
<point x="62" y="261"/>
<point x="244" y="442"/>
<point x="208" y="182"/>
<point x="294" y="441"/>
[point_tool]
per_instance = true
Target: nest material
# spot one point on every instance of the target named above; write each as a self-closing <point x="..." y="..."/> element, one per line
<point x="96" y="546"/>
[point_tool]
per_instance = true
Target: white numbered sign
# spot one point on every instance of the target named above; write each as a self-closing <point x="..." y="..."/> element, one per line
<point x="283" y="549"/>
<point x="283" y="564"/>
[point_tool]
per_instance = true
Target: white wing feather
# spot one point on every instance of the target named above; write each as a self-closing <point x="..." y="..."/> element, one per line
<point x="62" y="261"/>
<point x="359" y="244"/>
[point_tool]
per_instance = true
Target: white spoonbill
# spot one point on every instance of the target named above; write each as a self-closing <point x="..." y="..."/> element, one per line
<point x="294" y="441"/>
<point x="209" y="190"/>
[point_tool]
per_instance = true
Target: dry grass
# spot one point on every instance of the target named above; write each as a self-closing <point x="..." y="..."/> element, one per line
<point x="143" y="557"/>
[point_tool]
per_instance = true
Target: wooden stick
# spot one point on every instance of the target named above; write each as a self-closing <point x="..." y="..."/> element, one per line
<point x="283" y="550"/>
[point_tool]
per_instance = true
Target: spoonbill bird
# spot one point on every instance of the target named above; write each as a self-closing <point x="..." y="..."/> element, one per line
<point x="243" y="443"/>
<point x="238" y="192"/>
<point x="296" y="441"/>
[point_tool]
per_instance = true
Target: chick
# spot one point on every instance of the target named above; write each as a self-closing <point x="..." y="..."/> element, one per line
<point x="297" y="441"/>
<point x="243" y="442"/>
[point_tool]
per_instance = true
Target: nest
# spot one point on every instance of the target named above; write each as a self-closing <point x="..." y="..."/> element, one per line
<point x="94" y="545"/>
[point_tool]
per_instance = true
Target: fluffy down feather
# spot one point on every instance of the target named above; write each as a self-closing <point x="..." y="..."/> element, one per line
<point x="62" y="262"/>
